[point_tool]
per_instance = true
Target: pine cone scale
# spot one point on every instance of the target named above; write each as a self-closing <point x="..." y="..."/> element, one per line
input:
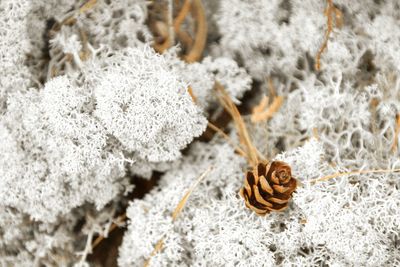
<point x="268" y="187"/>
<point x="265" y="185"/>
<point x="259" y="198"/>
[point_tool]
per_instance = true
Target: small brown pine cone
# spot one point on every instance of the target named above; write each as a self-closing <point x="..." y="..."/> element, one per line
<point x="269" y="187"/>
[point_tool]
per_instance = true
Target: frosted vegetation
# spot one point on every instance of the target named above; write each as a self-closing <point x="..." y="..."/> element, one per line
<point x="104" y="107"/>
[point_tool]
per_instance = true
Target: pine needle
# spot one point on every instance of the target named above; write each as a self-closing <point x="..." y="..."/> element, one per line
<point x="340" y="174"/>
<point x="159" y="245"/>
<point x="396" y="134"/>
<point x="244" y="137"/>
<point x="330" y="12"/>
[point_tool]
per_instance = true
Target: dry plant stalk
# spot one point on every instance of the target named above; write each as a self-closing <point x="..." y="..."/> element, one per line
<point x="201" y="32"/>
<point x="340" y="174"/>
<point x="268" y="186"/>
<point x="113" y="226"/>
<point x="195" y="46"/>
<point x="244" y="137"/>
<point x="87" y="6"/>
<point x="396" y="134"/>
<point x="192" y="95"/>
<point x="262" y="113"/>
<point x="331" y="12"/>
<point x="227" y="138"/>
<point x="182" y="15"/>
<point x="70" y="20"/>
<point x="159" y="245"/>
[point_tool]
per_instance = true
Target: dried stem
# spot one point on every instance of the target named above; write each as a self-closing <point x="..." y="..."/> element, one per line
<point x="244" y="137"/>
<point x="182" y="15"/>
<point x="261" y="112"/>
<point x="87" y="6"/>
<point x="159" y="245"/>
<point x="170" y="22"/>
<point x="396" y="134"/>
<point x="258" y="116"/>
<point x="201" y="32"/>
<point x="113" y="226"/>
<point x="340" y="174"/>
<point x="192" y="95"/>
<point x="330" y="12"/>
<point x="224" y="135"/>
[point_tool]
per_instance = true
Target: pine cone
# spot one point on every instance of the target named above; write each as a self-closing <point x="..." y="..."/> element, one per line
<point x="268" y="187"/>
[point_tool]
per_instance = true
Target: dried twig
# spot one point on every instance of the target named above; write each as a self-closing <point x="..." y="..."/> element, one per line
<point x="224" y="135"/>
<point x="87" y="6"/>
<point x="182" y="15"/>
<point x="244" y="137"/>
<point x="192" y="95"/>
<point x="259" y="115"/>
<point x="396" y="134"/>
<point x="201" y="32"/>
<point x="113" y="226"/>
<point x="330" y="12"/>
<point x="261" y="112"/>
<point x="339" y="174"/>
<point x="159" y="245"/>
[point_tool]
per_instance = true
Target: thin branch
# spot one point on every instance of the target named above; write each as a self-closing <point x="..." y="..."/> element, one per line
<point x="114" y="225"/>
<point x="340" y="174"/>
<point x="182" y="15"/>
<point x="224" y="135"/>
<point x="170" y="22"/>
<point x="269" y="112"/>
<point x="244" y="137"/>
<point x="87" y="6"/>
<point x="329" y="12"/>
<point x="396" y="134"/>
<point x="159" y="245"/>
<point x="201" y="33"/>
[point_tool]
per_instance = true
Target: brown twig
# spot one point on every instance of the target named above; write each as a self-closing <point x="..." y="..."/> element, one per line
<point x="182" y="15"/>
<point x="244" y="137"/>
<point x="396" y="134"/>
<point x="261" y="112"/>
<point x="192" y="95"/>
<point x="224" y="135"/>
<point x="330" y="11"/>
<point x="159" y="245"/>
<point x="201" y="32"/>
<point x="87" y="6"/>
<point x="113" y="226"/>
<point x="335" y="175"/>
<point x="258" y="115"/>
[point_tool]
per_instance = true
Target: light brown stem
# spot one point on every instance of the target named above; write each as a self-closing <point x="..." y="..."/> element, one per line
<point x="201" y="33"/>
